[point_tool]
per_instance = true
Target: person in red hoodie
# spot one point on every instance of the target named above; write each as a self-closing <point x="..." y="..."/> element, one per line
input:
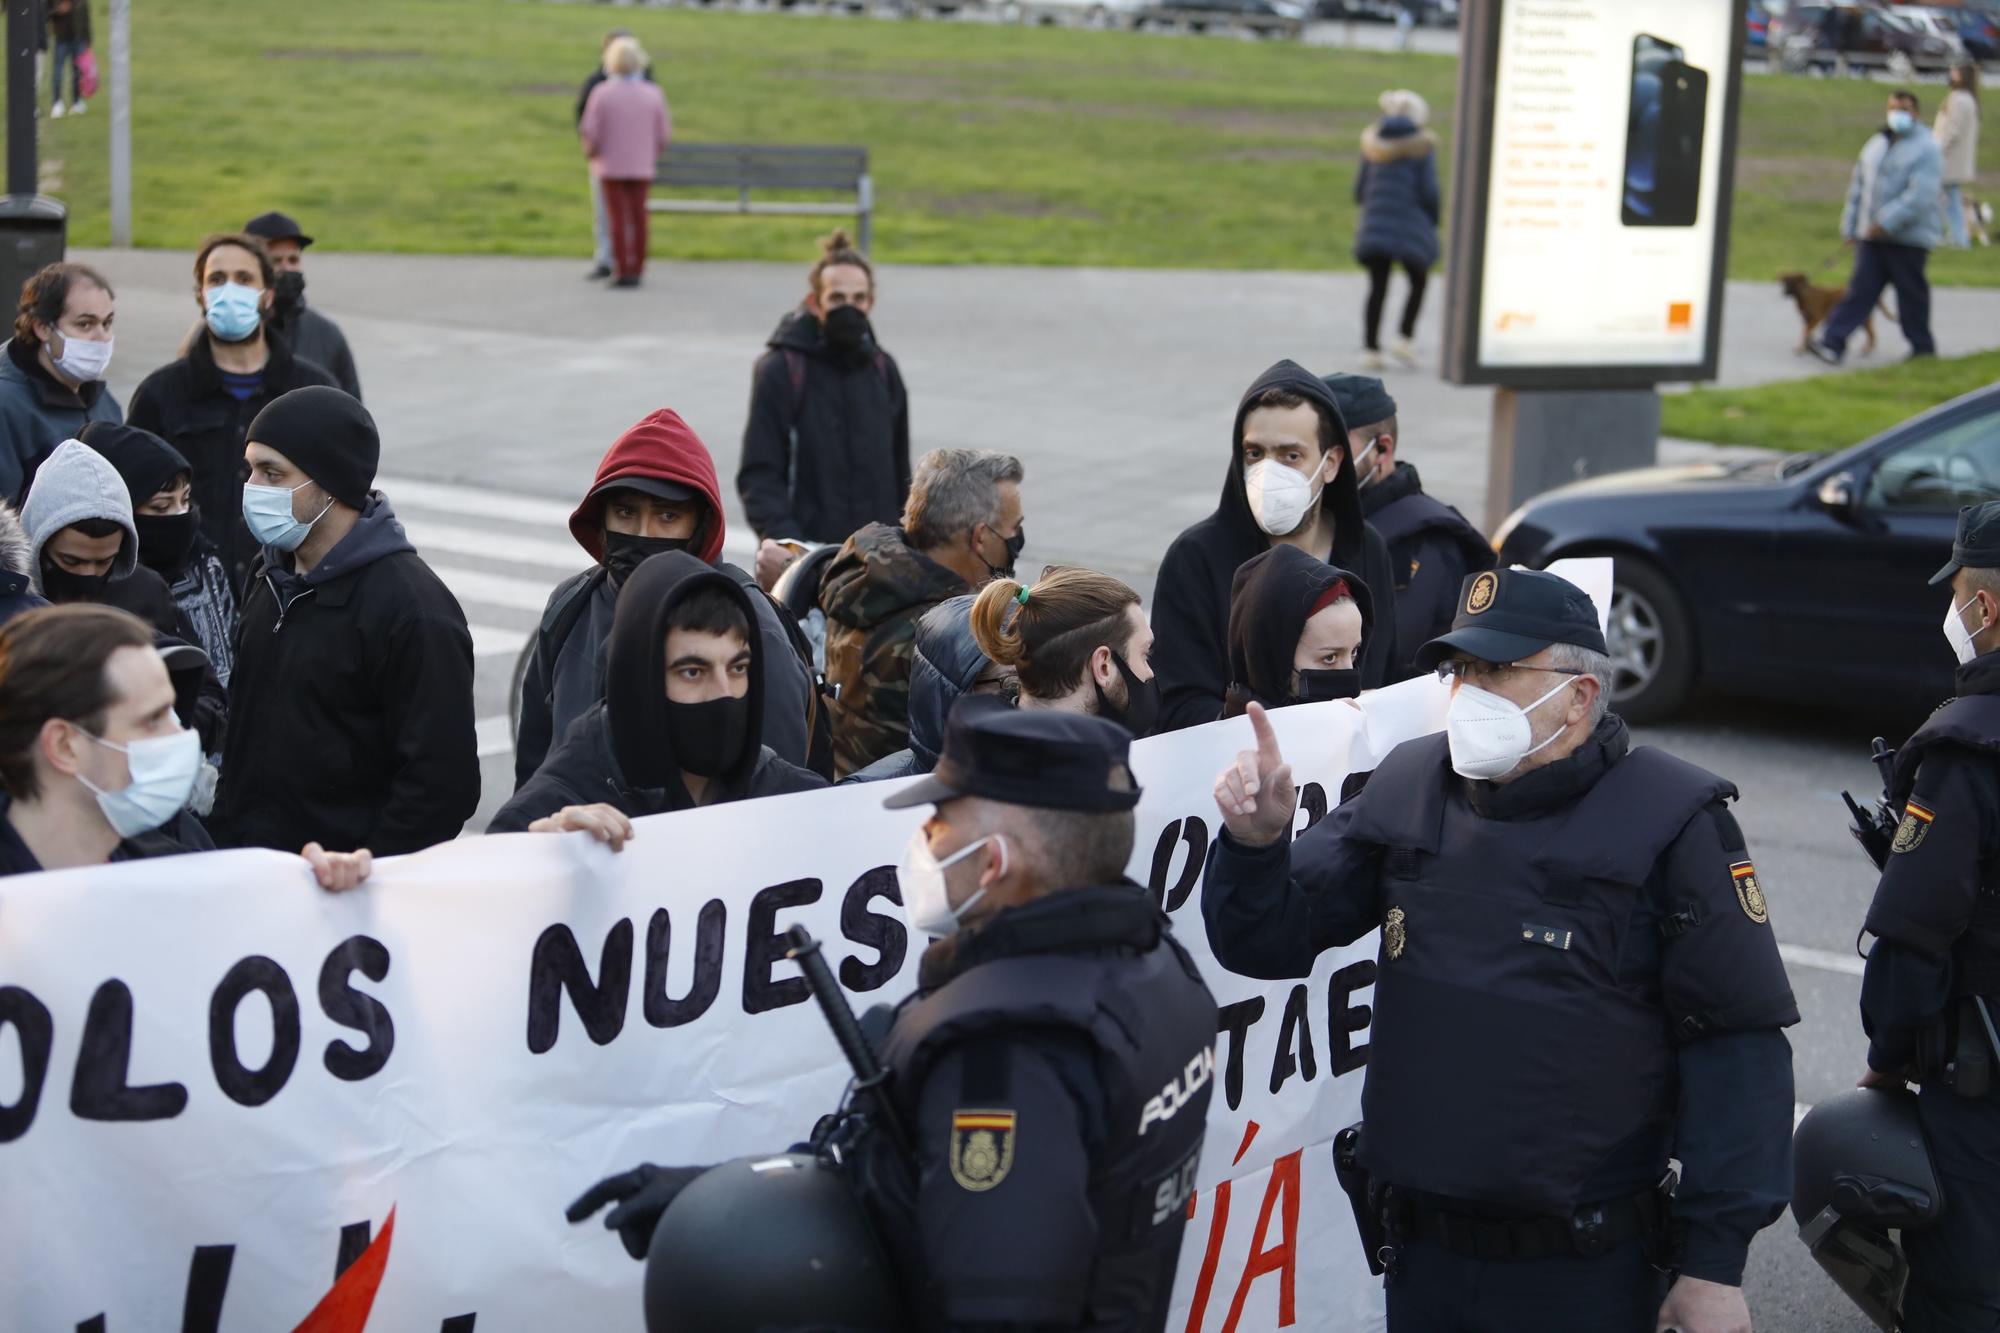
<point x="655" y="491"/>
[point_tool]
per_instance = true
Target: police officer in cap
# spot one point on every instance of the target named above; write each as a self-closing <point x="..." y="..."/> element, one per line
<point x="1932" y="985"/>
<point x="1053" y="1067"/>
<point x="1576" y="981"/>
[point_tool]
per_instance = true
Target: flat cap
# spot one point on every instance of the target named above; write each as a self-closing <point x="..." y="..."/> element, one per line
<point x="1977" y="545"/>
<point x="1364" y="400"/>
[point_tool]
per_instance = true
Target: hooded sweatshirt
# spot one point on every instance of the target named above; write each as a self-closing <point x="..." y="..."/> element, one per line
<point x="17" y="567"/>
<point x="620" y="752"/>
<point x="77" y="483"/>
<point x="945" y="662"/>
<point x="564" y="675"/>
<point x="826" y="450"/>
<point x="1191" y="599"/>
<point x="1273" y="597"/>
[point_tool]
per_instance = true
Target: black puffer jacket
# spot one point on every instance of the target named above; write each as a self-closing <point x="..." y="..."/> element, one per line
<point x="824" y="461"/>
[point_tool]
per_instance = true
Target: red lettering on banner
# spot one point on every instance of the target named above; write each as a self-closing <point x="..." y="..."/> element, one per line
<point x="345" y="1308"/>
<point x="1282" y="1257"/>
<point x="1205" y="1282"/>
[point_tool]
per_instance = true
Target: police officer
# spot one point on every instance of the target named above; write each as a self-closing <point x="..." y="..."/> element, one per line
<point x="1933" y="974"/>
<point x="1576" y="980"/>
<point x="1054" y="1065"/>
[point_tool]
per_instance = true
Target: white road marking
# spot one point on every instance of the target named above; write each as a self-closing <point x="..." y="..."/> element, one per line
<point x="492" y="641"/>
<point x="492" y="544"/>
<point x="508" y="506"/>
<point x="471" y="585"/>
<point x="495" y="734"/>
<point x="1846" y="964"/>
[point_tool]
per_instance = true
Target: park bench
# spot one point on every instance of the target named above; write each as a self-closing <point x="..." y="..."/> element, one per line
<point x="746" y="167"/>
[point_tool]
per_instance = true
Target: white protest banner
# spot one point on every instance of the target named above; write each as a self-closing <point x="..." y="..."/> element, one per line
<point x="219" y="1086"/>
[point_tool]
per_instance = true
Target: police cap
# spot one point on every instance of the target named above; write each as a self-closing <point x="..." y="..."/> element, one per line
<point x="1977" y="545"/>
<point x="1364" y="399"/>
<point x="1505" y="615"/>
<point x="1037" y="757"/>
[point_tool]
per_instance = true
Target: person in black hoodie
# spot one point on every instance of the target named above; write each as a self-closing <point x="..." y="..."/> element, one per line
<point x="1296" y="629"/>
<point x="1432" y="546"/>
<point x="827" y="448"/>
<point x="1290" y="482"/>
<point x="353" y="673"/>
<point x="648" y="748"/>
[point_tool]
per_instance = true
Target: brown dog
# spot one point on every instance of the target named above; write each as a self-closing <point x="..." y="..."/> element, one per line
<point x="1815" y="303"/>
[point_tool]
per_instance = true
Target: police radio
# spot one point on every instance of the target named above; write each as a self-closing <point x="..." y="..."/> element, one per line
<point x="1875" y="829"/>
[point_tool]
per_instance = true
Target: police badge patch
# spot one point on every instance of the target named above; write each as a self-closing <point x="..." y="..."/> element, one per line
<point x="982" y="1148"/>
<point x="1394" y="936"/>
<point x="1910" y="833"/>
<point x="1748" y="894"/>
<point x="1481" y="596"/>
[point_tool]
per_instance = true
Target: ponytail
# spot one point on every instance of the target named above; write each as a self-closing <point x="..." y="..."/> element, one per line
<point x="994" y="629"/>
<point x="1048" y="632"/>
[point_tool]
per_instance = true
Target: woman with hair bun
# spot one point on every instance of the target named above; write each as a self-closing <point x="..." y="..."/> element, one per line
<point x="1077" y="641"/>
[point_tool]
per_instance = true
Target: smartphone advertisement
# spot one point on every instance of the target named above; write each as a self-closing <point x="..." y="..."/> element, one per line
<point x="1600" y="182"/>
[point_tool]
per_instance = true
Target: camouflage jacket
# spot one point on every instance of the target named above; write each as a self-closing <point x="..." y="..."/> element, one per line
<point x="874" y="593"/>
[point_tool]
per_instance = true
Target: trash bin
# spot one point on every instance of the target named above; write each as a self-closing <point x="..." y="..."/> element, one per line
<point x="34" y="229"/>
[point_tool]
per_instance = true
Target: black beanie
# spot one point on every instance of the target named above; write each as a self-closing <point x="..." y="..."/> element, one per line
<point x="147" y="463"/>
<point x="326" y="434"/>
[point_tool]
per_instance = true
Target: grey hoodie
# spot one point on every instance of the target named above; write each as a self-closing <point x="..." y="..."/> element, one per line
<point x="77" y="483"/>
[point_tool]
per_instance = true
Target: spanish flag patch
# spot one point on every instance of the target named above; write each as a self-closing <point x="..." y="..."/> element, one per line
<point x="1748" y="895"/>
<point x="982" y="1148"/>
<point x="1917" y="820"/>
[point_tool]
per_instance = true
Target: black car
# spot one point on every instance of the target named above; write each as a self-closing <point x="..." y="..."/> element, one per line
<point x="1799" y="579"/>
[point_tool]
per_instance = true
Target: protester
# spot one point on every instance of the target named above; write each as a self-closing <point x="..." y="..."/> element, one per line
<point x="353" y="674"/>
<point x="1893" y="222"/>
<point x="827" y="448"/>
<point x="600" y="225"/>
<point x="1397" y="189"/>
<point x="1296" y="626"/>
<point x="313" y="336"/>
<point x="1078" y="642"/>
<point x="69" y="27"/>
<point x="17" y="567"/>
<point x="680" y="719"/>
<point x="625" y="128"/>
<point x="1289" y="483"/>
<point x="1432" y="547"/>
<point x="52" y="377"/>
<point x="945" y="666"/>
<point x="203" y="404"/>
<point x="655" y="490"/>
<point x="171" y="544"/>
<point x="961" y="528"/>
<point x="1957" y="133"/>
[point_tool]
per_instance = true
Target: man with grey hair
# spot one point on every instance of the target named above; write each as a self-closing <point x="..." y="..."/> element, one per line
<point x="961" y="528"/>
<point x="1577" y="980"/>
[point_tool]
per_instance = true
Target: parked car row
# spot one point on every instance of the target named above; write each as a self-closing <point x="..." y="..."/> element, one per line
<point x="1904" y="38"/>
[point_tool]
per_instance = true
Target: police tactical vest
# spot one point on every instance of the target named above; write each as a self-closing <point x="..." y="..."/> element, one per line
<point x="1417" y="513"/>
<point x="1973" y="722"/>
<point x="1509" y="1054"/>
<point x="1152" y="1022"/>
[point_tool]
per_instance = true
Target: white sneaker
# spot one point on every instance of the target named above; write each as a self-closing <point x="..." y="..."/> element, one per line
<point x="56" y="111"/>
<point x="1404" y="351"/>
<point x="1373" y="361"/>
<point x="78" y="108"/>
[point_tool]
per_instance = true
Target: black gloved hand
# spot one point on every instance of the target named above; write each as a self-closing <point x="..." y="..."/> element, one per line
<point x="642" y="1195"/>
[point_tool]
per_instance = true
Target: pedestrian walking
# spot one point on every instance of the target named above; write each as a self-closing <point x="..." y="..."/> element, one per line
<point x="1957" y="135"/>
<point x="625" y="128"/>
<point x="600" y="226"/>
<point x="69" y="30"/>
<point x="1397" y="189"/>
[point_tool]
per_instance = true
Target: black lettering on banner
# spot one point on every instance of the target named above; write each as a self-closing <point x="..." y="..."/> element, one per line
<point x="36" y="1032"/>
<point x="557" y="966"/>
<point x="1235" y="1019"/>
<point x="1312" y="800"/>
<point x="1296" y="1022"/>
<point x="208" y="1283"/>
<point x="355" y="1009"/>
<point x="1343" y="1017"/>
<point x="253" y="1087"/>
<point x="353" y="1243"/>
<point x="94" y="1324"/>
<point x="99" y="1090"/>
<point x="873" y="930"/>
<point x="766" y="947"/>
<point x="458" y="1323"/>
<point x="661" y="1009"/>
<point x="1192" y="833"/>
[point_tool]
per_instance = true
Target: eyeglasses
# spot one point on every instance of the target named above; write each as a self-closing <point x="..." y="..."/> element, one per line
<point x="1473" y="671"/>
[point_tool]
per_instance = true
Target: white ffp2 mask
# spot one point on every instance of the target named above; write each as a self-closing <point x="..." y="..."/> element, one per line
<point x="1279" y="496"/>
<point x="1958" y="635"/>
<point x="1489" y="735"/>
<point x="926" y="898"/>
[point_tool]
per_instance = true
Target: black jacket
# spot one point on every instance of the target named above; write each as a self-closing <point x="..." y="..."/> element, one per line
<point x="181" y="834"/>
<point x="1191" y="599"/>
<point x="145" y="594"/>
<point x="353" y="692"/>
<point x="824" y="459"/>
<point x="185" y="404"/>
<point x="1432" y="548"/>
<point x="317" y="339"/>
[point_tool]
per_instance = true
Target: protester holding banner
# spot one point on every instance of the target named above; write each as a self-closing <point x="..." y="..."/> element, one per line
<point x="1296" y="626"/>
<point x="945" y="666"/>
<point x="681" y="718"/>
<point x="1079" y="643"/>
<point x="1061" y="1044"/>
<point x="1567" y="923"/>
<point x="1290" y="482"/>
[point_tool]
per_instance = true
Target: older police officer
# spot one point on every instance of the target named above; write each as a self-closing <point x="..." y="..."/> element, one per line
<point x="1931" y="992"/>
<point x="1054" y="1065"/>
<point x="1576" y="981"/>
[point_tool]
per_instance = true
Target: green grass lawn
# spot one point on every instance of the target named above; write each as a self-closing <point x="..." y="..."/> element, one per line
<point x="445" y="125"/>
<point x="1826" y="411"/>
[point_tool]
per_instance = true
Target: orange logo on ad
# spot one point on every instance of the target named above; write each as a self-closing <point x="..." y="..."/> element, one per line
<point x="1680" y="316"/>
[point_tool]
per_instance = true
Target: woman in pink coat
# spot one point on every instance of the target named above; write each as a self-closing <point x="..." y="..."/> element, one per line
<point x="625" y="128"/>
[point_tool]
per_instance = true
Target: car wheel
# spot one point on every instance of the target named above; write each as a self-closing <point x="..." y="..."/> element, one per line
<point x="1651" y="639"/>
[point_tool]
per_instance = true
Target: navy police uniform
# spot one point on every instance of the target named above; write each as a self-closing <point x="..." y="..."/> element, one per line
<point x="1936" y="922"/>
<point x="1576" y="981"/>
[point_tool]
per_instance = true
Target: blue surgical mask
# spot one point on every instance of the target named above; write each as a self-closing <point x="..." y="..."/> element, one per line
<point x="1901" y="121"/>
<point x="233" y="313"/>
<point x="163" y="771"/>
<point x="268" y="512"/>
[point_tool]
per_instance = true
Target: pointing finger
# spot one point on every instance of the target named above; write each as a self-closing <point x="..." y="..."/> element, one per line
<point x="1267" y="739"/>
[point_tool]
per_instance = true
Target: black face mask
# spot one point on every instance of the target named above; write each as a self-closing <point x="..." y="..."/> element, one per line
<point x="847" y="334"/>
<point x="60" y="585"/>
<point x="708" y="737"/>
<point x="288" y="295"/>
<point x="1014" y="545"/>
<point x="624" y="552"/>
<point x="166" y="541"/>
<point x="1317" y="686"/>
<point x="1142" y="701"/>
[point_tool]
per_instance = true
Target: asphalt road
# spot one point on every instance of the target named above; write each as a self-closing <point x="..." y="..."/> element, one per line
<point x="498" y="383"/>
